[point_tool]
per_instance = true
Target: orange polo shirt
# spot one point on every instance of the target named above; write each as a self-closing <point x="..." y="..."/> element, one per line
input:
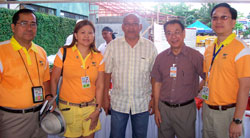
<point x="74" y="69"/>
<point x="15" y="84"/>
<point x="231" y="63"/>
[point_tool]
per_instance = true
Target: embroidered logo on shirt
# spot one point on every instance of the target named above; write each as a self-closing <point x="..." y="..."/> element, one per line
<point x="224" y="56"/>
<point x="41" y="63"/>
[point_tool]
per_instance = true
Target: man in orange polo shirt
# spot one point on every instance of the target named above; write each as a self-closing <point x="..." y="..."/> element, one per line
<point x="227" y="64"/>
<point x="24" y="75"/>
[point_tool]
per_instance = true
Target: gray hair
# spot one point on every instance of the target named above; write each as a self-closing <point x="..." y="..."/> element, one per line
<point x="136" y="15"/>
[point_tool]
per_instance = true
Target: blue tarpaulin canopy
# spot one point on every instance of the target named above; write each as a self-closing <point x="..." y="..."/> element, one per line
<point x="200" y="27"/>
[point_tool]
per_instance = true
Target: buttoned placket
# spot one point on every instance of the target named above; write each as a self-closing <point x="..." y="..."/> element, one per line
<point x="174" y="79"/>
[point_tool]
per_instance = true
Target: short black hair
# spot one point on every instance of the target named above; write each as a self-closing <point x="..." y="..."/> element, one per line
<point x="15" y="17"/>
<point x="173" y="22"/>
<point x="231" y="10"/>
<point x="106" y="28"/>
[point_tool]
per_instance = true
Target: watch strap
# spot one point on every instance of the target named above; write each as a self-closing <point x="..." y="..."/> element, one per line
<point x="237" y="120"/>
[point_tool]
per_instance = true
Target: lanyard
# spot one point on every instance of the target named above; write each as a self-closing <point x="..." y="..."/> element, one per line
<point x="28" y="71"/>
<point x="214" y="56"/>
<point x="212" y="62"/>
<point x="83" y="60"/>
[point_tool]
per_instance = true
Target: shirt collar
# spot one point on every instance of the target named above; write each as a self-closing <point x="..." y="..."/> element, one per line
<point x="183" y="50"/>
<point x="16" y="46"/>
<point x="74" y="48"/>
<point x="124" y="40"/>
<point x="227" y="41"/>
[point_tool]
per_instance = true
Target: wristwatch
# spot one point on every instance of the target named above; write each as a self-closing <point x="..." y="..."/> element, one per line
<point x="237" y="121"/>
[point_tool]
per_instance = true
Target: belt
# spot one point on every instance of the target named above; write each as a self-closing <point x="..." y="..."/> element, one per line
<point x="33" y="109"/>
<point x="178" y="105"/>
<point x="83" y="104"/>
<point x="222" y="107"/>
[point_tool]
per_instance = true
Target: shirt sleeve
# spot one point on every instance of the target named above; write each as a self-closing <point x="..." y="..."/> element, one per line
<point x="242" y="63"/>
<point x="199" y="66"/>
<point x="101" y="63"/>
<point x="108" y="58"/>
<point x="1" y="70"/>
<point x="205" y="63"/>
<point x="155" y="53"/>
<point x="58" y="59"/>
<point x="47" y="72"/>
<point x="156" y="74"/>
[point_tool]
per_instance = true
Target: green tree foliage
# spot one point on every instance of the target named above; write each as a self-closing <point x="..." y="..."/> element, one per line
<point x="246" y="33"/>
<point x="204" y="13"/>
<point x="238" y="26"/>
<point x="52" y="31"/>
<point x="190" y="15"/>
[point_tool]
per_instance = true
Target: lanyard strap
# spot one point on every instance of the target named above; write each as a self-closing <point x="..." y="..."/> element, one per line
<point x="83" y="60"/>
<point x="28" y="71"/>
<point x="212" y="62"/>
<point x="214" y="56"/>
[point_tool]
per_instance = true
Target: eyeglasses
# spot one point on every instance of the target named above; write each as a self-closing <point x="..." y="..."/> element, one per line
<point x="176" y="33"/>
<point x="223" y="18"/>
<point x="131" y="24"/>
<point x="26" y="24"/>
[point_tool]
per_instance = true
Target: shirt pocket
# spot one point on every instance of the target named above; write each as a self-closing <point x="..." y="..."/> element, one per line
<point x="187" y="75"/>
<point x="144" y="64"/>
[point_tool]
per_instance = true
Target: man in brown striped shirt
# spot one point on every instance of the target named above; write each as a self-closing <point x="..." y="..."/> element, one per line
<point x="176" y="73"/>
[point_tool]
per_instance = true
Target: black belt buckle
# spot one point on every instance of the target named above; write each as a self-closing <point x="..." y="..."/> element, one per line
<point x="175" y="105"/>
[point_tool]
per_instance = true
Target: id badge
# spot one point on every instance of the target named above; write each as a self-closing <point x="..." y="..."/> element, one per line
<point x="37" y="93"/>
<point x="205" y="92"/>
<point x="85" y="82"/>
<point x="173" y="72"/>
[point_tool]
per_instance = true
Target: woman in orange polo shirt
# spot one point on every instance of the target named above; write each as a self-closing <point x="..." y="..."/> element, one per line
<point x="82" y="86"/>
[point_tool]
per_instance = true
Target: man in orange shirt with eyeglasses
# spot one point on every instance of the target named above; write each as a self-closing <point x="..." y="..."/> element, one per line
<point x="24" y="75"/>
<point x="227" y="65"/>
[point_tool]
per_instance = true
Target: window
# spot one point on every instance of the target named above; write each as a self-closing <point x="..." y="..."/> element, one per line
<point x="41" y="9"/>
<point x="72" y="15"/>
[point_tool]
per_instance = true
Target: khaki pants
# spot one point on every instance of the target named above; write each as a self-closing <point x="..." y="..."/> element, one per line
<point x="216" y="123"/>
<point x="178" y="121"/>
<point x="17" y="125"/>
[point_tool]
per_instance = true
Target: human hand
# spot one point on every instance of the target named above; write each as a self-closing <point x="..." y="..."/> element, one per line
<point x="157" y="118"/>
<point x="151" y="107"/>
<point x="106" y="105"/>
<point x="53" y="105"/>
<point x="235" y="130"/>
<point x="94" y="119"/>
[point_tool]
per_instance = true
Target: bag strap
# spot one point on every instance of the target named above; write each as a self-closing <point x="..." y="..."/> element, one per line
<point x="64" y="57"/>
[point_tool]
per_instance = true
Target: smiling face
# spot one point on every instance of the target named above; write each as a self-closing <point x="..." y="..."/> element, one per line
<point x="222" y="22"/>
<point x="25" y="29"/>
<point x="85" y="36"/>
<point x="175" y="35"/>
